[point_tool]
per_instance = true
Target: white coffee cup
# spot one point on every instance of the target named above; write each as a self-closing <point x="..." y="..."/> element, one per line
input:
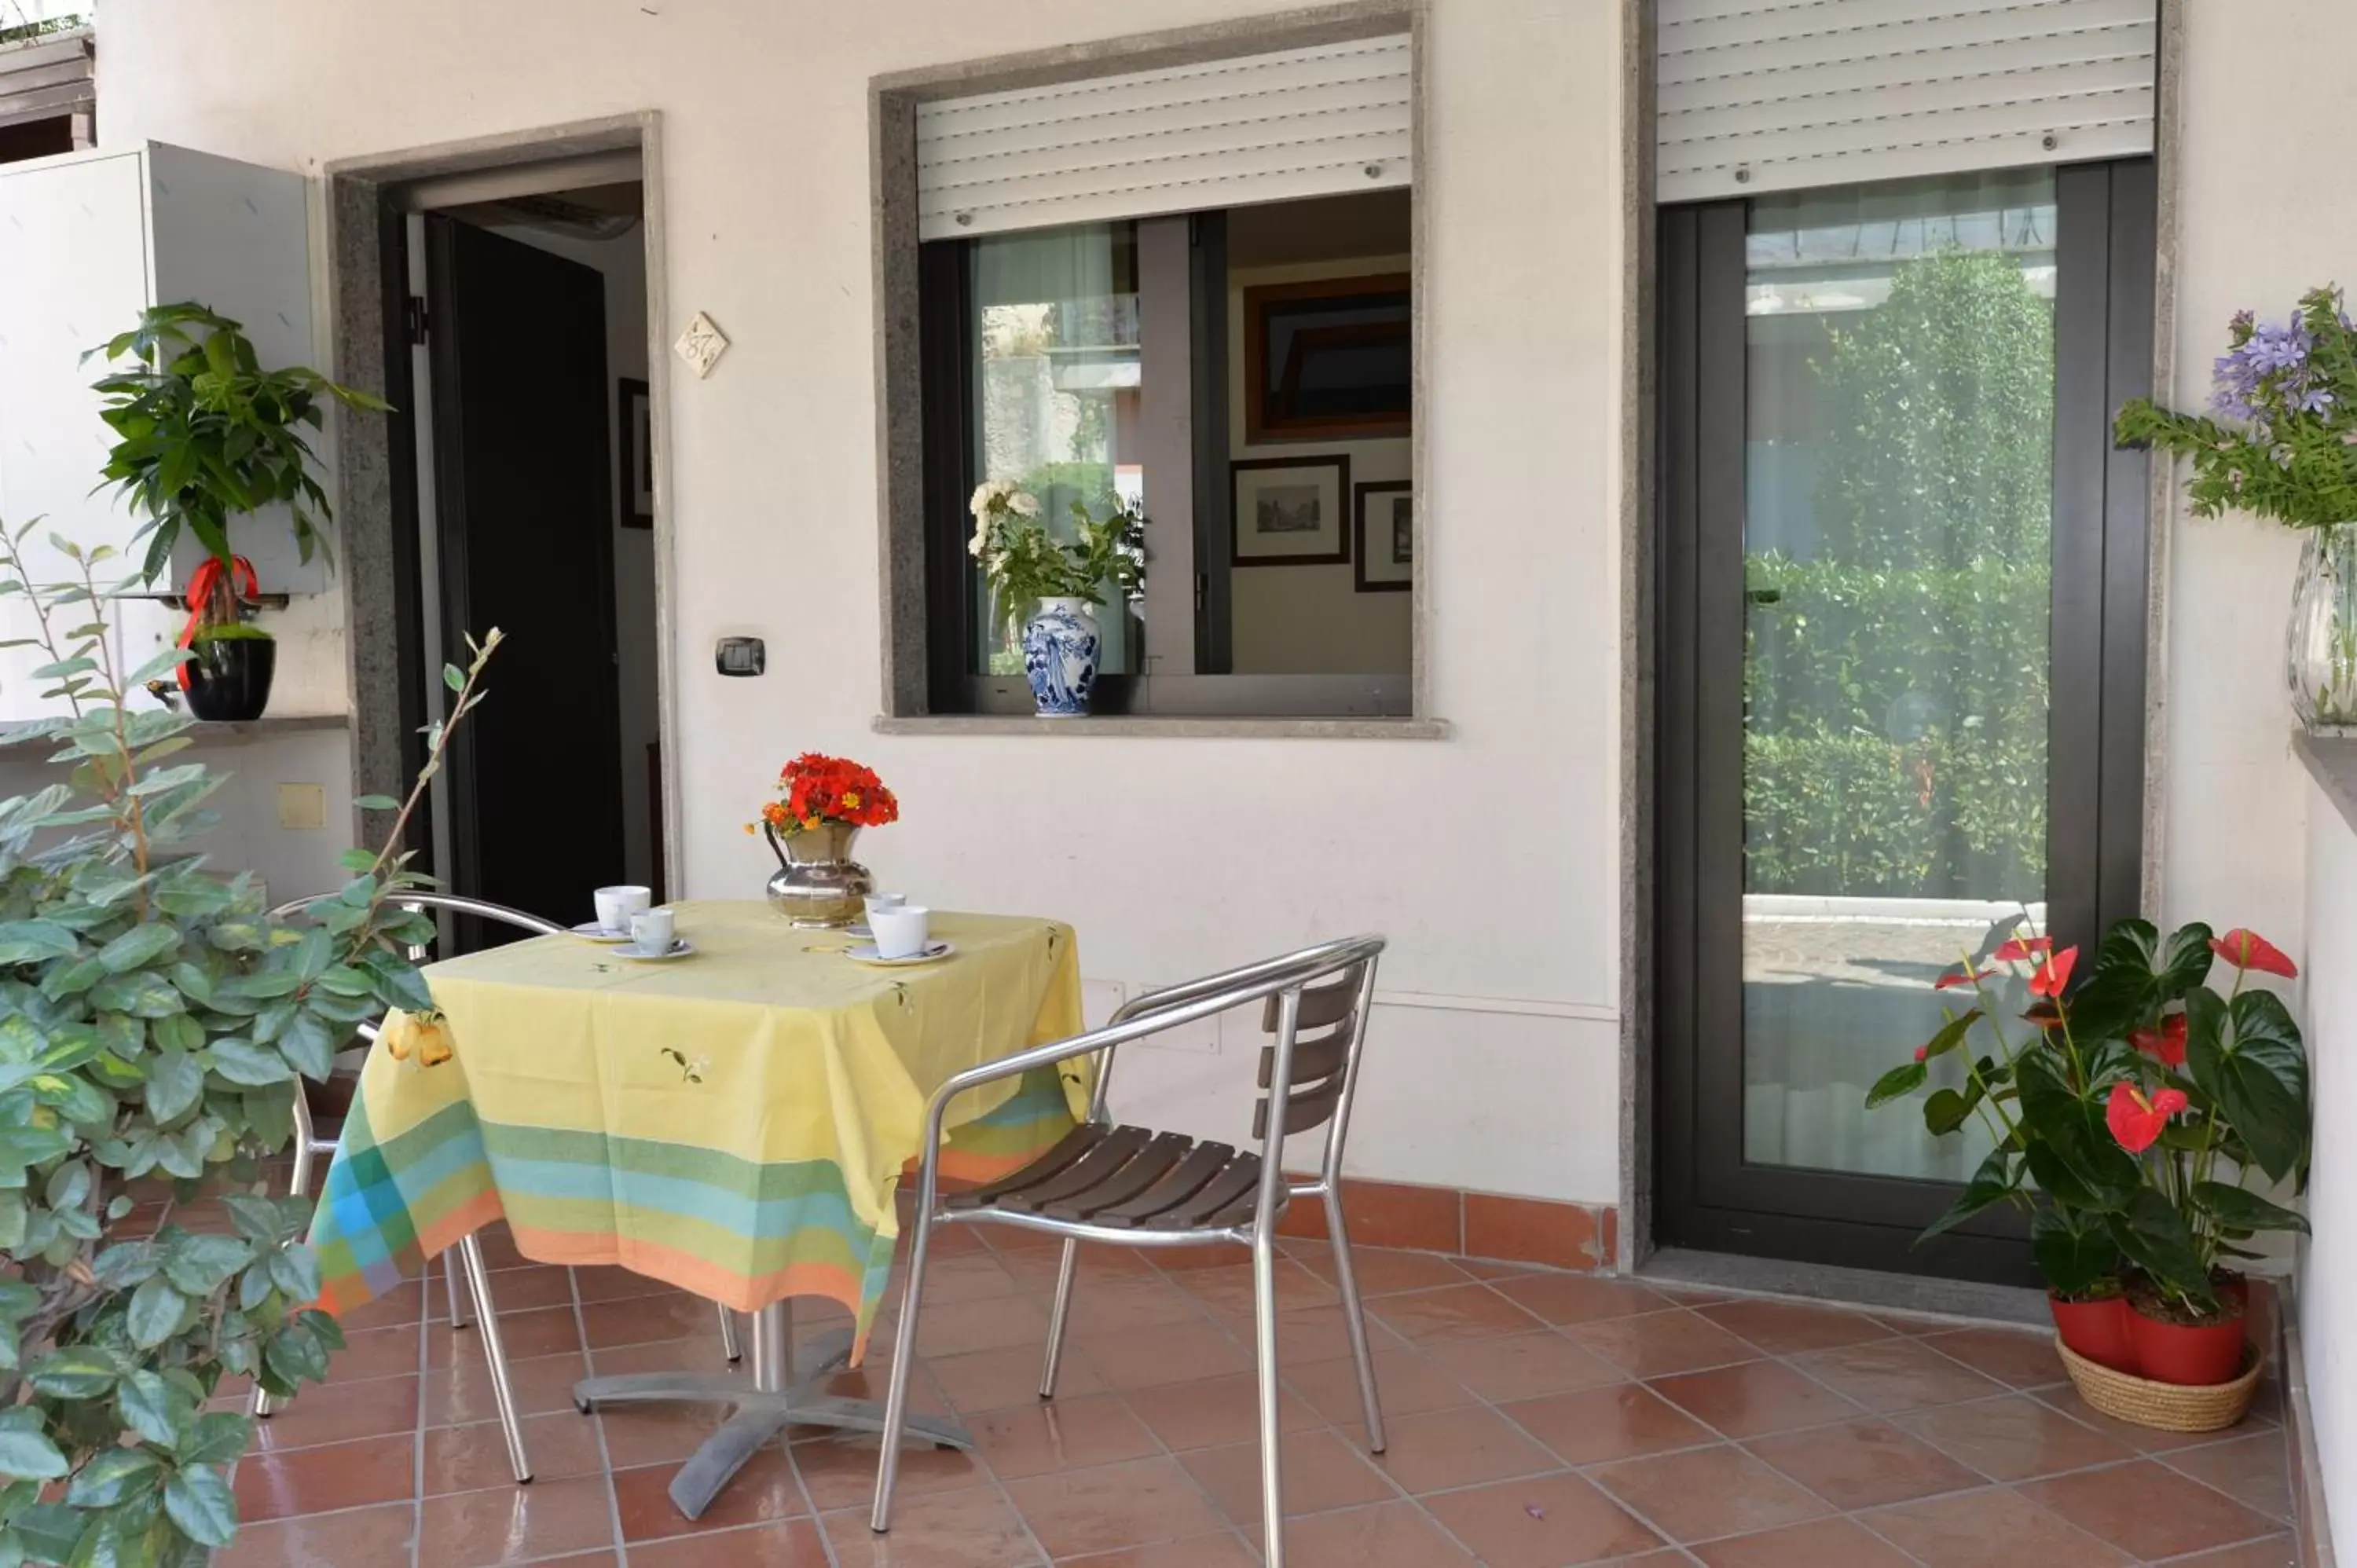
<point x="617" y="905"/>
<point x="876" y="901"/>
<point x="651" y="931"/>
<point x="899" y="931"/>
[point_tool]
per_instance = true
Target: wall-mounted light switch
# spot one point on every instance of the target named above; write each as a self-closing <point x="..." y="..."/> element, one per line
<point x="741" y="656"/>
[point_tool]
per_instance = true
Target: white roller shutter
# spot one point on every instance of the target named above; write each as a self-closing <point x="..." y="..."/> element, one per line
<point x="1270" y="127"/>
<point x="1781" y="94"/>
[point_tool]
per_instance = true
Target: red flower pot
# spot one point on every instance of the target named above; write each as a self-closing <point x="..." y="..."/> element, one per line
<point x="2191" y="1355"/>
<point x="2097" y="1329"/>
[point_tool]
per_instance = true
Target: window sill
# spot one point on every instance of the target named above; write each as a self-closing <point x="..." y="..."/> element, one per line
<point x="1167" y="725"/>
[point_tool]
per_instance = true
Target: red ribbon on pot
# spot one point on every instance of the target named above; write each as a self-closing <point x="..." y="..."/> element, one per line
<point x="201" y="584"/>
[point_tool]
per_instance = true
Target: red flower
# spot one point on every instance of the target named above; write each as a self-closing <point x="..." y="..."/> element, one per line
<point x="2137" y="1122"/>
<point x="2248" y="950"/>
<point x="1923" y="1052"/>
<point x="2052" y="973"/>
<point x="2164" y="1045"/>
<point x="1949" y="980"/>
<point x="2020" y="947"/>
<point x="832" y="789"/>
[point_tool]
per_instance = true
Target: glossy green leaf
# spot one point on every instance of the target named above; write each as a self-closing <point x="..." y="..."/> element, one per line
<point x="199" y="1500"/>
<point x="2074" y="1251"/>
<point x="2248" y="1058"/>
<point x="1902" y="1080"/>
<point x="155" y="1313"/>
<point x="2235" y="1210"/>
<point x="200" y="1265"/>
<point x="82" y="1372"/>
<point x="116" y="1476"/>
<point x="149" y="1407"/>
<point x="1992" y="1183"/>
<point x="2155" y="1239"/>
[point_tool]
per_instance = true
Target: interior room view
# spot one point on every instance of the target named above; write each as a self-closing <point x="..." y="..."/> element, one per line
<point x="1215" y="784"/>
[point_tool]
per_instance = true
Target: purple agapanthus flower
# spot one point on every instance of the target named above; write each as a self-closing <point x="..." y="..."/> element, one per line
<point x="2267" y="361"/>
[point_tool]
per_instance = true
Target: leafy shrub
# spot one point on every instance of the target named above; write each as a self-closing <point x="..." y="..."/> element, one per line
<point x="154" y="1028"/>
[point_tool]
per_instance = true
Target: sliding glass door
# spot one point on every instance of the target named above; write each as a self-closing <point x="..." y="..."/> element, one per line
<point x="1892" y="537"/>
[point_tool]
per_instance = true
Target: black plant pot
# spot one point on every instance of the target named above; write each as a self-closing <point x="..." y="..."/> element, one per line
<point x="230" y="677"/>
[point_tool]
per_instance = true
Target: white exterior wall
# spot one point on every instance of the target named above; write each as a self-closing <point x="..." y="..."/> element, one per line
<point x="2328" y="1273"/>
<point x="1490" y="858"/>
<point x="2251" y="233"/>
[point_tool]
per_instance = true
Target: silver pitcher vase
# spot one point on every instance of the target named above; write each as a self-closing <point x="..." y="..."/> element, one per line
<point x="817" y="885"/>
<point x="2321" y="644"/>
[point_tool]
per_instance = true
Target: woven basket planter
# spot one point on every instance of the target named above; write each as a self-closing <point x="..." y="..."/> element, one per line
<point x="2164" y="1407"/>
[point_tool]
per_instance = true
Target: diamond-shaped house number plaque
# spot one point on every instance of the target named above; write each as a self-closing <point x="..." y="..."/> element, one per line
<point x="702" y="345"/>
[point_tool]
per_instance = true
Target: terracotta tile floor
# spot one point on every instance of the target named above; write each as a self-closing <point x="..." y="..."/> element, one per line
<point x="1537" y="1420"/>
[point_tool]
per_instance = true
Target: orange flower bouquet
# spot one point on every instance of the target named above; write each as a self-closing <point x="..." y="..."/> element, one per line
<point x="823" y="803"/>
<point x="812" y="789"/>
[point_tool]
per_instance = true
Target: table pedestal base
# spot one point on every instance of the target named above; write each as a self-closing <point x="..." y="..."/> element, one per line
<point x="781" y="1394"/>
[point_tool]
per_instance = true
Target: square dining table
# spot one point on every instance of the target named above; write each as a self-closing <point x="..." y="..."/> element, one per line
<point x="733" y="1121"/>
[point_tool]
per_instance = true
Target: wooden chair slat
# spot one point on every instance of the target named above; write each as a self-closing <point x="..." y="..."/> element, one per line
<point x="1153" y="1163"/>
<point x="1310" y="1108"/>
<point x="1321" y="1004"/>
<point x="1312" y="1059"/>
<point x="1069" y="1148"/>
<point x="1189" y="1177"/>
<point x="1113" y="1150"/>
<point x="1235" y="1183"/>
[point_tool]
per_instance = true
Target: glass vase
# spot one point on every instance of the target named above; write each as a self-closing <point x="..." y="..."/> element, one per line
<point x="2320" y="645"/>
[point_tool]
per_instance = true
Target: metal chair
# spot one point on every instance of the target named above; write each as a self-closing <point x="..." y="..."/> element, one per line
<point x="1142" y="1188"/>
<point x="310" y="1145"/>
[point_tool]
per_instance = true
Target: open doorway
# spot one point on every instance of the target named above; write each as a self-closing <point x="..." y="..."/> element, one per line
<point x="526" y="316"/>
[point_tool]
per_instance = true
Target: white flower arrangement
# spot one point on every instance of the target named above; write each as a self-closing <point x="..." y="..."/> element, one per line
<point x="1023" y="564"/>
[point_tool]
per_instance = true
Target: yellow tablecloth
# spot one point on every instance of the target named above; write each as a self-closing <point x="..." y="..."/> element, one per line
<point x="733" y="1121"/>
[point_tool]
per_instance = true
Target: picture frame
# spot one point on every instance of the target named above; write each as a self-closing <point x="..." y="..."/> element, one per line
<point x="634" y="421"/>
<point x="1329" y="359"/>
<point x="1289" y="512"/>
<point x="1383" y="517"/>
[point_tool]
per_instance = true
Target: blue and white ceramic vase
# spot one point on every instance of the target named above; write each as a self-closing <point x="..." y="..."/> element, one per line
<point x="1059" y="658"/>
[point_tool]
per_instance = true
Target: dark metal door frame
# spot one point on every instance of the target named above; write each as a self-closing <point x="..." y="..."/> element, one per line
<point x="1709" y="1198"/>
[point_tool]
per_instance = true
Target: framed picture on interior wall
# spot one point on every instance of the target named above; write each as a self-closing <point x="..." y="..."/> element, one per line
<point x="1289" y="512"/>
<point x="1384" y="561"/>
<point x="1328" y="361"/>
<point x="638" y="428"/>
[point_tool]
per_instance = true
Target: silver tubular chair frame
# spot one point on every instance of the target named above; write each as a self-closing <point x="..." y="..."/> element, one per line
<point x="1284" y="978"/>
<point x="309" y="1146"/>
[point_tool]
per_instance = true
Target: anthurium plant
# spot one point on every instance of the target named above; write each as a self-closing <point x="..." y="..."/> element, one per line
<point x="2129" y="1115"/>
<point x="155" y="1026"/>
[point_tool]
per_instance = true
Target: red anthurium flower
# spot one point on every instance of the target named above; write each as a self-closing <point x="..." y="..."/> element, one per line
<point x="2052" y="973"/>
<point x="2137" y="1122"/>
<point x="2248" y="950"/>
<point x="1954" y="978"/>
<point x="2164" y="1045"/>
<point x="2020" y="947"/>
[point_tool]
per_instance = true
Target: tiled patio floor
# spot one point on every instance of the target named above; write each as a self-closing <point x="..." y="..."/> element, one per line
<point x="1537" y="1419"/>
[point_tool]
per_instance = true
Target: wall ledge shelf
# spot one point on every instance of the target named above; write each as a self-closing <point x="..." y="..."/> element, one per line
<point x="17" y="737"/>
<point x="2332" y="762"/>
<point x="1166" y="725"/>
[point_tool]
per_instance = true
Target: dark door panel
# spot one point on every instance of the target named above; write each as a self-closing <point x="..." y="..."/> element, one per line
<point x="524" y="524"/>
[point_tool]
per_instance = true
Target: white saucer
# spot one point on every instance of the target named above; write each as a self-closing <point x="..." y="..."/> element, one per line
<point x="598" y="933"/>
<point x="865" y="953"/>
<point x="859" y="928"/>
<point x="680" y="948"/>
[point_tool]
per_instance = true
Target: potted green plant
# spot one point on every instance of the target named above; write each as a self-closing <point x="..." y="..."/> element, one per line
<point x="2127" y="1118"/>
<point x="154" y="1028"/>
<point x="2276" y="443"/>
<point x="203" y="434"/>
<point x="1043" y="588"/>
